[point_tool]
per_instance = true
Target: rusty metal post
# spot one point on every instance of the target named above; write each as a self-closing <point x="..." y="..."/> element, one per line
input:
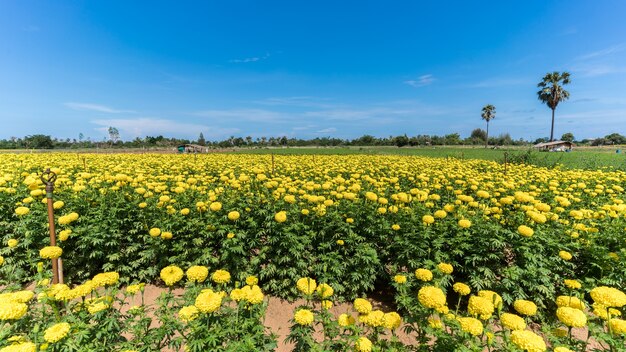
<point x="48" y="178"/>
<point x="505" y="161"/>
<point x="272" y="164"/>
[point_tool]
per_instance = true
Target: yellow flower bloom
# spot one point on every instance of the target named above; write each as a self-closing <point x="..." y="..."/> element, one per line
<point x="281" y="216"/>
<point x="445" y="268"/>
<point x="233" y="215"/>
<point x="304" y="317"/>
<point x="431" y="297"/>
<point x="570" y="301"/>
<point x="480" y="306"/>
<point x="362" y="306"/>
<point x="571" y="317"/>
<point x="208" y="301"/>
<point x="399" y="279"/>
<point x="306" y="285"/>
<point x="345" y="320"/>
<point x="573" y="284"/>
<point x="197" y="273"/>
<point x="155" y="232"/>
<point x="464" y="223"/>
<point x="56" y="332"/>
<point x="392" y="320"/>
<point x="512" y="321"/>
<point x="220" y="276"/>
<point x="252" y="280"/>
<point x="528" y="341"/>
<point x="21" y="211"/>
<point x="363" y="344"/>
<point x="105" y="279"/>
<point x="325" y="290"/>
<point x="50" y="252"/>
<point x="188" y="313"/>
<point x="608" y="296"/>
<point x="525" y="231"/>
<point x="565" y="255"/>
<point x="132" y="289"/>
<point x="461" y="289"/>
<point x="428" y="219"/>
<point x="12" y="243"/>
<point x="471" y="325"/>
<point x="171" y="274"/>
<point x="424" y="275"/>
<point x="524" y="307"/>
<point x="618" y="326"/>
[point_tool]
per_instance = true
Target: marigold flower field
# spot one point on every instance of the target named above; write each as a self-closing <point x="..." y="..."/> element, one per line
<point x="473" y="256"/>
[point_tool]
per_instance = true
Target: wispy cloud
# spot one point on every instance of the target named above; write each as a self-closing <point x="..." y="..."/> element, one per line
<point x="243" y="115"/>
<point x="327" y="130"/>
<point x="421" y="81"/>
<point x="147" y="126"/>
<point x="602" y="53"/>
<point x="301" y="101"/>
<point x="595" y="70"/>
<point x="250" y="59"/>
<point x="95" y="107"/>
<point x="500" y="82"/>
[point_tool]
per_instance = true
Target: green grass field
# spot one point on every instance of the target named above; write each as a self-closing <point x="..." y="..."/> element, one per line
<point x="582" y="158"/>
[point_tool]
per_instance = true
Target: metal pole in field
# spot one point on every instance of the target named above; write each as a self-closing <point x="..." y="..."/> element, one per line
<point x="505" y="161"/>
<point x="272" y="164"/>
<point x="48" y="178"/>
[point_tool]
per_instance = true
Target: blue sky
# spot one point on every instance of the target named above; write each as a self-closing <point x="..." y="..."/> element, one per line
<point x="307" y="69"/>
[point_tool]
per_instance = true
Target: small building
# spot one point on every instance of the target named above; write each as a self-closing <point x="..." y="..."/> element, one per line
<point x="192" y="148"/>
<point x="555" y="146"/>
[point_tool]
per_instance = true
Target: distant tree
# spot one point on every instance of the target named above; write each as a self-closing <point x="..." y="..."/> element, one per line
<point x="540" y="140"/>
<point x="552" y="92"/>
<point x="114" y="135"/>
<point x="567" y="137"/>
<point x="488" y="114"/>
<point x="452" y="139"/>
<point x="401" y="141"/>
<point x="201" y="140"/>
<point x="615" y="138"/>
<point x="39" y="141"/>
<point x="80" y="137"/>
<point x="249" y="140"/>
<point x="479" y="134"/>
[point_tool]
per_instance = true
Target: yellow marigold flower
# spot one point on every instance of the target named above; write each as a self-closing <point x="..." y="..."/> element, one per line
<point x="492" y="296"/>
<point x="440" y="214"/>
<point x="188" y="313"/>
<point x="363" y="344"/>
<point x="424" y="275"/>
<point x="618" y="326"/>
<point x="608" y="296"/>
<point x="208" y="301"/>
<point x="166" y="235"/>
<point x="565" y="255"/>
<point x="132" y="289"/>
<point x="142" y="205"/>
<point x="197" y="273"/>
<point x="431" y="297"/>
<point x="325" y="290"/>
<point x="252" y="280"/>
<point x="399" y="279"/>
<point x="58" y="204"/>
<point x="464" y="223"/>
<point x="233" y="215"/>
<point x="94" y="308"/>
<point x="392" y="320"/>
<point x="20" y="347"/>
<point x="327" y="304"/>
<point x="512" y="321"/>
<point x="171" y="274"/>
<point x="1" y="260"/>
<point x="105" y="279"/>
<point x="395" y="227"/>
<point x="220" y="276"/>
<point x="184" y="211"/>
<point x="524" y="307"/>
<point x="525" y="231"/>
<point x="155" y="232"/>
<point x="435" y="323"/>
<point x="570" y="301"/>
<point x="281" y="216"/>
<point x="445" y="268"/>
<point x="428" y="219"/>
<point x="573" y="284"/>
<point x="461" y="289"/>
<point x="374" y="318"/>
<point x="480" y="306"/>
<point x="562" y="349"/>
<point x="11" y="310"/>
<point x="345" y="320"/>
<point x="362" y="306"/>
<point x="340" y="242"/>
<point x="12" y="243"/>
<point x="306" y="285"/>
<point x="50" y="252"/>
<point x="253" y="294"/>
<point x="56" y="332"/>
<point x="304" y="317"/>
<point x="21" y="211"/>
<point x="305" y="211"/>
<point x="216" y="206"/>
<point x="471" y="325"/>
<point x="64" y="235"/>
<point x="603" y="312"/>
<point x="571" y="317"/>
<point x="528" y="341"/>
<point x="230" y="235"/>
<point x="350" y="220"/>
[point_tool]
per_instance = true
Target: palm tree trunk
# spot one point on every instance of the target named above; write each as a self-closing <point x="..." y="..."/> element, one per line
<point x="487" y="139"/>
<point x="552" y="128"/>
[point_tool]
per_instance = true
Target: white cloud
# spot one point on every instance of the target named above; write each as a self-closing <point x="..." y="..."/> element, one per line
<point x="327" y="130"/>
<point x="250" y="59"/>
<point x="421" y="81"/>
<point x="146" y="126"/>
<point x="604" y="52"/>
<point x="95" y="107"/>
<point x="500" y="82"/>
<point x="239" y="115"/>
<point x="301" y="101"/>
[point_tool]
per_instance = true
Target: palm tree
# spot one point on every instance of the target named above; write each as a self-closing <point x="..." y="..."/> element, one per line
<point x="489" y="113"/>
<point x="552" y="92"/>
